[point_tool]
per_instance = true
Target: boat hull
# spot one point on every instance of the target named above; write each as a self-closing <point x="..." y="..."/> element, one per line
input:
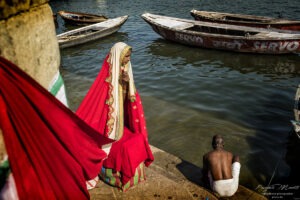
<point x="215" y="41"/>
<point x="246" y="20"/>
<point x="76" y="18"/>
<point x="296" y="122"/>
<point x="90" y="33"/>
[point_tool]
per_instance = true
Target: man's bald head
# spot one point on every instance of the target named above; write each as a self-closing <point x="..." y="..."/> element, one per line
<point x="217" y="141"/>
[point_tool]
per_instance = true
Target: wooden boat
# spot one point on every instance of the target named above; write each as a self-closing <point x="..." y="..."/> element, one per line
<point x="91" y="32"/>
<point x="246" y="20"/>
<point x="223" y="36"/>
<point x="78" y="18"/>
<point x="296" y="122"/>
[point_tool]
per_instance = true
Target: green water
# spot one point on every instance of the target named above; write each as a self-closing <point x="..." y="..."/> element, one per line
<point x="190" y="94"/>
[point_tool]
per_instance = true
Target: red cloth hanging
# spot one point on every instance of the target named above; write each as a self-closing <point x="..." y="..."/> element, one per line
<point x="52" y="152"/>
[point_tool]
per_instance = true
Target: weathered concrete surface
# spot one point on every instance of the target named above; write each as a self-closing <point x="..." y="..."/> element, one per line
<point x="29" y="40"/>
<point x="9" y="8"/>
<point x="168" y="177"/>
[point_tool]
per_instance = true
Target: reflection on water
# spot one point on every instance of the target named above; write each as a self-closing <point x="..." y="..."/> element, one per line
<point x="244" y="63"/>
<point x="190" y="94"/>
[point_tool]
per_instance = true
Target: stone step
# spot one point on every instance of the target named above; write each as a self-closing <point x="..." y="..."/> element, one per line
<point x="168" y="177"/>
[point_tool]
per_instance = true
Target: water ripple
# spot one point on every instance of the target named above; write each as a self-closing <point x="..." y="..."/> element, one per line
<point x="189" y="93"/>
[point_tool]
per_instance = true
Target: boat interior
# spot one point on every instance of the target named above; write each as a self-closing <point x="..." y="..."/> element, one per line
<point x="231" y="18"/>
<point x="81" y="17"/>
<point x="221" y="31"/>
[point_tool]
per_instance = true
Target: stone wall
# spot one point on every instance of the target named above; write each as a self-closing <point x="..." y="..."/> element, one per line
<point x="28" y="39"/>
<point x="9" y="7"/>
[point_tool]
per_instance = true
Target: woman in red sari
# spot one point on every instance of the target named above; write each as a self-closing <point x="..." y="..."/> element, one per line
<point x="113" y="107"/>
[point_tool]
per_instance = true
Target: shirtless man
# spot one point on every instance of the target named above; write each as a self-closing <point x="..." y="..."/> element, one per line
<point x="221" y="169"/>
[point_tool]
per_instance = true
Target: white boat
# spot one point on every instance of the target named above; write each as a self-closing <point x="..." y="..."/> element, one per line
<point x="91" y="32"/>
<point x="224" y="36"/>
<point x="296" y="122"/>
<point x="78" y="18"/>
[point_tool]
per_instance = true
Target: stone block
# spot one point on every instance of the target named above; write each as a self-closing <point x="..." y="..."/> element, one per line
<point x="29" y="40"/>
<point x="10" y="8"/>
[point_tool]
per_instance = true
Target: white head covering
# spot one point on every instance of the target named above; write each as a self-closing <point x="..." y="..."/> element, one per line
<point x="117" y="54"/>
<point x="116" y="102"/>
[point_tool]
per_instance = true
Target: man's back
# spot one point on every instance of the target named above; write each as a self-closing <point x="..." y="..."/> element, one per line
<point x="219" y="162"/>
<point x="221" y="169"/>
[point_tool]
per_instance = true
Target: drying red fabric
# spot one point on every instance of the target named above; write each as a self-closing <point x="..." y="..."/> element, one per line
<point x="133" y="148"/>
<point x="52" y="152"/>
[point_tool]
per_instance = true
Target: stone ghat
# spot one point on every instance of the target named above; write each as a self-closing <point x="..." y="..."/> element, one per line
<point x="168" y="177"/>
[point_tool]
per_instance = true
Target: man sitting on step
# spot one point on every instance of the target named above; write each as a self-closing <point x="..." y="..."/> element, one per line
<point x="221" y="169"/>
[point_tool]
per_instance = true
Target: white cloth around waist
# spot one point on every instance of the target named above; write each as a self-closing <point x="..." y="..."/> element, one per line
<point x="228" y="187"/>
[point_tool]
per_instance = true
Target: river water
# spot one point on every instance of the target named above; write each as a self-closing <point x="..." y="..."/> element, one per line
<point x="189" y="94"/>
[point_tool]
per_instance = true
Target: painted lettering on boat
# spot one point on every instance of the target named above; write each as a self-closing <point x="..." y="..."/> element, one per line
<point x="227" y="45"/>
<point x="189" y="38"/>
<point x="275" y="46"/>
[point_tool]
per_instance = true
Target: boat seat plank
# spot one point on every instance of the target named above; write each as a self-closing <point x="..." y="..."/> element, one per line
<point x="174" y="24"/>
<point x="276" y="34"/>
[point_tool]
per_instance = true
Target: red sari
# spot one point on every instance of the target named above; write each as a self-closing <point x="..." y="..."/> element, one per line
<point x="132" y="149"/>
<point x="52" y="152"/>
